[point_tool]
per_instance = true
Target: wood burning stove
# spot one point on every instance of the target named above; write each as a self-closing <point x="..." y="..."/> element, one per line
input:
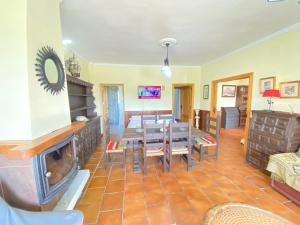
<point x="55" y="168"/>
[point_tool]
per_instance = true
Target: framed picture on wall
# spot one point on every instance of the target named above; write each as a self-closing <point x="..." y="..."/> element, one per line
<point x="206" y="91"/>
<point x="228" y="91"/>
<point x="149" y="92"/>
<point x="290" y="89"/>
<point x="267" y="83"/>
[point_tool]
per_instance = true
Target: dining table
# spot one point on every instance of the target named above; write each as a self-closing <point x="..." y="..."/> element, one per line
<point x="133" y="136"/>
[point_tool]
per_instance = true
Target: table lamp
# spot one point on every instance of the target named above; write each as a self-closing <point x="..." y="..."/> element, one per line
<point x="272" y="93"/>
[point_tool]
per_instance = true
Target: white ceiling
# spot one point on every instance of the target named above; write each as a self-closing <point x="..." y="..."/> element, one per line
<point x="127" y="31"/>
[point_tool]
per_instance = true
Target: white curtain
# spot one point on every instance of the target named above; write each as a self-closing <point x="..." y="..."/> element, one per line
<point x="113" y="105"/>
<point x="177" y="104"/>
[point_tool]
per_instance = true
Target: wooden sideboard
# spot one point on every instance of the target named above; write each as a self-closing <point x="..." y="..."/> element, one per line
<point x="88" y="139"/>
<point x="271" y="133"/>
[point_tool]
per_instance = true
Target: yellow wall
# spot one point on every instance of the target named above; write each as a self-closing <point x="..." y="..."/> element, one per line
<point x="28" y="110"/>
<point x="278" y="56"/>
<point x="133" y="76"/>
<point x="84" y="64"/>
<point x="14" y="97"/>
<point x="48" y="112"/>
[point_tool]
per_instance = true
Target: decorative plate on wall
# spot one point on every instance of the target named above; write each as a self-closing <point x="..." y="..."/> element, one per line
<point x="50" y="70"/>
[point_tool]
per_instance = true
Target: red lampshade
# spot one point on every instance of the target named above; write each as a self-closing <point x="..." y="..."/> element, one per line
<point x="271" y="93"/>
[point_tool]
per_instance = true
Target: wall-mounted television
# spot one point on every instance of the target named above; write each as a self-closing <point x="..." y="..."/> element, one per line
<point x="148" y="92"/>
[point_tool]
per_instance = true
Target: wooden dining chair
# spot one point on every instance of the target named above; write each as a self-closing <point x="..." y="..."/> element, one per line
<point x="211" y="140"/>
<point x="112" y="147"/>
<point x="180" y="142"/>
<point x="146" y="119"/>
<point x="154" y="143"/>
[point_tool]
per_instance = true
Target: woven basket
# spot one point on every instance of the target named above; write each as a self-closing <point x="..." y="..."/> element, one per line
<point x="242" y="214"/>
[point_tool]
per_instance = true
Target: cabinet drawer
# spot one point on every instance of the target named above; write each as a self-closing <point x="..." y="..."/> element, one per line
<point x="254" y="157"/>
<point x="264" y="139"/>
<point x="254" y="153"/>
<point x="264" y="161"/>
<point x="257" y="126"/>
<point x="282" y="123"/>
<point x="275" y="142"/>
<point x="271" y="121"/>
<point x="259" y="119"/>
<point x="254" y="136"/>
<point x="279" y="131"/>
<point x="268" y="129"/>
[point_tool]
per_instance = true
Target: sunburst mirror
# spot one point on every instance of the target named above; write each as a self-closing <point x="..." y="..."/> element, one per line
<point x="50" y="70"/>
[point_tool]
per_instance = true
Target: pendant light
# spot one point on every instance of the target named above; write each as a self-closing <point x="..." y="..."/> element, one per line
<point x="166" y="70"/>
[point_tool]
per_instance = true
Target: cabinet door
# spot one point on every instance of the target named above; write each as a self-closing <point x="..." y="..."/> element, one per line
<point x="80" y="144"/>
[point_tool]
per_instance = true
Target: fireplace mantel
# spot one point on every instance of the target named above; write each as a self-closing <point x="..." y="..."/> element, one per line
<point x="19" y="150"/>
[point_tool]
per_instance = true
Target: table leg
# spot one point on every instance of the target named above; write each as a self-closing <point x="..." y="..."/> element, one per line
<point x="136" y="160"/>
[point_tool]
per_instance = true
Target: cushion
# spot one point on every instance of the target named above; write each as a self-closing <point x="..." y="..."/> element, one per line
<point x="209" y="139"/>
<point x="182" y="149"/>
<point x="111" y="145"/>
<point x="154" y="150"/>
<point x="205" y="140"/>
<point x="116" y="145"/>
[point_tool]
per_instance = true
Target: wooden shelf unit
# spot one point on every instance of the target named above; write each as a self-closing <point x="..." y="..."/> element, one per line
<point x="81" y="98"/>
<point x="82" y="104"/>
<point x="241" y="103"/>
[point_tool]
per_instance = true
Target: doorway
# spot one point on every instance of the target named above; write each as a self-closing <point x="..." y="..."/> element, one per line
<point x="182" y="101"/>
<point x="214" y="100"/>
<point x="112" y="97"/>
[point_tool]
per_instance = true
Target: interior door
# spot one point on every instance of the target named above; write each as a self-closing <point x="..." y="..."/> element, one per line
<point x="186" y="103"/>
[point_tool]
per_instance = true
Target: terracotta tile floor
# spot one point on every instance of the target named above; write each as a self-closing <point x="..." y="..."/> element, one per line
<point x="118" y="196"/>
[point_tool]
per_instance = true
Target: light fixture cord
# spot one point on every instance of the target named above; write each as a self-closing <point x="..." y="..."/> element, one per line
<point x="167" y="50"/>
<point x="167" y="58"/>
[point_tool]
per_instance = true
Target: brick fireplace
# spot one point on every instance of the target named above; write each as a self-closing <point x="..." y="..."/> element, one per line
<point x="34" y="175"/>
<point x="54" y="169"/>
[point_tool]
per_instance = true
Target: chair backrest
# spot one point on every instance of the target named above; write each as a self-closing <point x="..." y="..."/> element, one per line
<point x="106" y="132"/>
<point x="170" y="117"/>
<point x="148" y="119"/>
<point x="213" y="127"/>
<point x="180" y="135"/>
<point x="154" y="135"/>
